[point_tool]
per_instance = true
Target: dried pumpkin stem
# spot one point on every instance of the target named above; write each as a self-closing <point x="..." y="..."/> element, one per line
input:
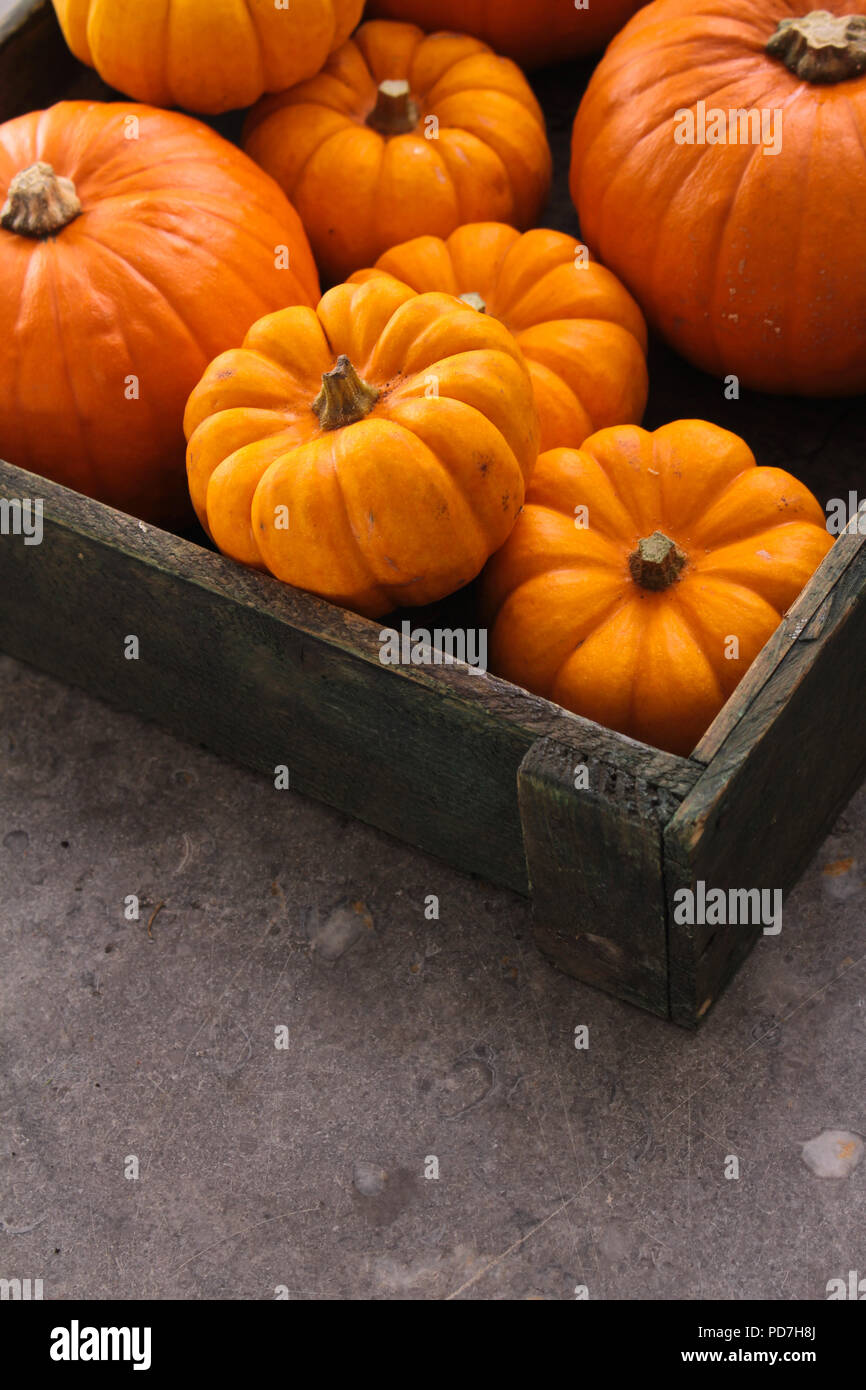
<point x="474" y="301"/>
<point x="657" y="562"/>
<point x="344" y="398"/>
<point x="396" y="111"/>
<point x="40" y="203"/>
<point x="821" y="47"/>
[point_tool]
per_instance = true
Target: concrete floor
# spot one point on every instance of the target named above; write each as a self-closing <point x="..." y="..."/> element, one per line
<point x="301" y="1168"/>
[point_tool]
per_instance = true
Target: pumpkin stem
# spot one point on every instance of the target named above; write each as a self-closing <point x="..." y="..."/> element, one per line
<point x="344" y="397"/>
<point x="821" y="47"/>
<point x="40" y="203"/>
<point x="474" y="301"/>
<point x="657" y="562"/>
<point x="396" y="111"/>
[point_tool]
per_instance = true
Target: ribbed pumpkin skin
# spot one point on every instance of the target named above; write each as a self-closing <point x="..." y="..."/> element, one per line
<point x="403" y="506"/>
<point x="531" y="32"/>
<point x="359" y="192"/>
<point x="171" y="260"/>
<point x="746" y="263"/>
<point x="205" y="55"/>
<point x="581" y="333"/>
<point x="569" y="621"/>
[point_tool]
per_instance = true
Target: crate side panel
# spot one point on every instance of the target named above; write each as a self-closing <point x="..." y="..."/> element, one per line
<point x="389" y="751"/>
<point x="592" y="834"/>
<point x="774" y="789"/>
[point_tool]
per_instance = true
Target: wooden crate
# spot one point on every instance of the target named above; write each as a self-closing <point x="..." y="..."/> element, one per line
<point x="469" y="767"/>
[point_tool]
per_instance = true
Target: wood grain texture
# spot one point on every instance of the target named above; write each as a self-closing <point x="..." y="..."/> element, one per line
<point x="592" y="831"/>
<point x="791" y="759"/>
<point x="267" y="675"/>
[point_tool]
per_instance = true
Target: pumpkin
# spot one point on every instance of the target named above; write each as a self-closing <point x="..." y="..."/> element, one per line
<point x="581" y="333"/>
<point x="207" y="57"/>
<point x="374" y="451"/>
<point x="402" y="134"/>
<point x="645" y="573"/>
<point x="530" y="31"/>
<point x="135" y="244"/>
<point x="719" y="168"/>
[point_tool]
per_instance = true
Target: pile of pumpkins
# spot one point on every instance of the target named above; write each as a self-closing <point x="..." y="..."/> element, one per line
<point x="466" y="396"/>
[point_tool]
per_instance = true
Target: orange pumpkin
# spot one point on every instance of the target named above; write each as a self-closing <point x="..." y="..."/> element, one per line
<point x="719" y="168"/>
<point x="581" y="333"/>
<point x="645" y="573"/>
<point x="530" y="31"/>
<point x="204" y="56"/>
<point x="134" y="245"/>
<point x="374" y="451"/>
<point x="402" y="134"/>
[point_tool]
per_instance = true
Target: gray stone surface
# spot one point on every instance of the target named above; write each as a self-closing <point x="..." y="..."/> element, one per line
<point x="304" y="1158"/>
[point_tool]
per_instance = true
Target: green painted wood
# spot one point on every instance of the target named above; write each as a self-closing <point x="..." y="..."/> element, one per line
<point x="592" y="830"/>
<point x="268" y="675"/>
<point x="788" y="762"/>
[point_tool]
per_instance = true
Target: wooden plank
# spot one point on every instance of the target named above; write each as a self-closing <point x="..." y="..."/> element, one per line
<point x="267" y="675"/>
<point x="789" y="762"/>
<point x="592" y="833"/>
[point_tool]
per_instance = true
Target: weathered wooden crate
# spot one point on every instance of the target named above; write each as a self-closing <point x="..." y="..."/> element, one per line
<point x="469" y="767"/>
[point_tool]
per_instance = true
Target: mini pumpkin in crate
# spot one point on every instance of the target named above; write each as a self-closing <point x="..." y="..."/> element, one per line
<point x="202" y="55"/>
<point x="374" y="451"/>
<point x="531" y="32"/>
<point x="581" y="333"/>
<point x="403" y="133"/>
<point x="645" y="573"/>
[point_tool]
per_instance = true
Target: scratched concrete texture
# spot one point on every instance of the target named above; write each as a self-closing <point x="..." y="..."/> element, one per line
<point x="306" y="1168"/>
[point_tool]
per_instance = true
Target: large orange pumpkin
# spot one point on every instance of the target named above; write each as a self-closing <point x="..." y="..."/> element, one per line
<point x="530" y="31"/>
<point x="135" y="244"/>
<point x="374" y="451"/>
<point x="403" y="134"/>
<point x="750" y="263"/>
<point x="581" y="333"/>
<point x="204" y="55"/>
<point x="645" y="573"/>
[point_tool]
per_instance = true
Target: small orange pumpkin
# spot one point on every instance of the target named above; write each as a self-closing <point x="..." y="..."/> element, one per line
<point x="719" y="169"/>
<point x="529" y="31"/>
<point x="374" y="451"/>
<point x="581" y="333"/>
<point x="135" y="244"/>
<point x="207" y="57"/>
<point x="403" y="133"/>
<point x="645" y="573"/>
